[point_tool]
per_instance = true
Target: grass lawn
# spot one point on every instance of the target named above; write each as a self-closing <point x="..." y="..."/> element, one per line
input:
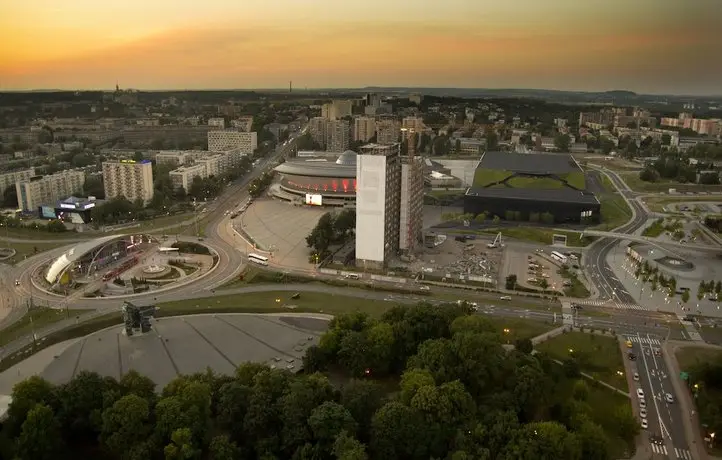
<point x="41" y="317"/>
<point x="38" y="234"/>
<point x="602" y="403"/>
<point x="545" y="183"/>
<point x="520" y="328"/>
<point x="615" y="211"/>
<point x="24" y="250"/>
<point x="657" y="204"/>
<point x="276" y="301"/>
<point x="689" y="357"/>
<point x="491" y="298"/>
<point x="576" y="180"/>
<point x="165" y="221"/>
<point x="711" y="334"/>
<point x="635" y="183"/>
<point x="577" y="288"/>
<point x="484" y="177"/>
<point x="597" y="355"/>
<point x="541" y="235"/>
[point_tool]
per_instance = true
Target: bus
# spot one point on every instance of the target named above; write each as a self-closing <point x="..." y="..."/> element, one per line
<point x="256" y="259"/>
<point x="559" y="257"/>
<point x="168" y="249"/>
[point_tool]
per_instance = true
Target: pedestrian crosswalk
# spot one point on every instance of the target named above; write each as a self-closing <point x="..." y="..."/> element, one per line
<point x="683" y="454"/>
<point x="644" y="340"/>
<point x="657" y="449"/>
<point x="609" y="304"/>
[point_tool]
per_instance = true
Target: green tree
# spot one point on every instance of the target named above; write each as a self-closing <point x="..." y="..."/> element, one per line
<point x="222" y="448"/>
<point x="362" y="398"/>
<point x="181" y="446"/>
<point x="40" y="436"/>
<point x="625" y="423"/>
<point x="510" y="282"/>
<point x="133" y="383"/>
<point x="82" y="402"/>
<point x="495" y="220"/>
<point x="397" y="431"/>
<point x="412" y="380"/>
<point x="329" y="420"/>
<point x="562" y="142"/>
<point x="594" y="442"/>
<point x="233" y="401"/>
<point x="524" y="345"/>
<point x="546" y="440"/>
<point x="344" y="224"/>
<point x="25" y="396"/>
<point x="322" y="235"/>
<point x="544" y="284"/>
<point x="685" y="296"/>
<point x="347" y="447"/>
<point x="126" y="425"/>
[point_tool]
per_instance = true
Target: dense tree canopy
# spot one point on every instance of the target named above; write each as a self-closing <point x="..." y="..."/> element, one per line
<point x="421" y="382"/>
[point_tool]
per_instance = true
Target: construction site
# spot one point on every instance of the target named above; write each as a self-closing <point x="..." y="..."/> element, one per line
<point x="460" y="259"/>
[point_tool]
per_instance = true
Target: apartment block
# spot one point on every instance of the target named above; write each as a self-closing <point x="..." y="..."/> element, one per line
<point x="183" y="176"/>
<point x="317" y="129"/>
<point x="217" y="123"/>
<point x="215" y="165"/>
<point x="378" y="202"/>
<point x="243" y="124"/>
<point x="229" y="139"/>
<point x="364" y="128"/>
<point x="413" y="124"/>
<point x="337" y="135"/>
<point x="336" y="110"/>
<point x="388" y="131"/>
<point x="411" y="198"/>
<point x="174" y="158"/>
<point x="128" y="178"/>
<point x="47" y="190"/>
<point x="11" y="178"/>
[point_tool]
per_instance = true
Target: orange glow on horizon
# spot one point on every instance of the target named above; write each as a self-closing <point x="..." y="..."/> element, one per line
<point x="226" y="46"/>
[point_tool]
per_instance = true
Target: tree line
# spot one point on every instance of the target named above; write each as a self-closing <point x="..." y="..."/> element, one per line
<point x="420" y="382"/>
<point x="331" y="229"/>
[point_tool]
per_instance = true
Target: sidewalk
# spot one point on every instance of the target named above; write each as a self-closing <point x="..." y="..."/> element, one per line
<point x="689" y="414"/>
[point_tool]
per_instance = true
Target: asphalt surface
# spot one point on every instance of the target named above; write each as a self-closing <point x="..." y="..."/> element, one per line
<point x="610" y="288"/>
<point x="664" y="418"/>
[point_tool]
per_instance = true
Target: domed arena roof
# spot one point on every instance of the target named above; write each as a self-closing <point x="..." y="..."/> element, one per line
<point x="347" y="158"/>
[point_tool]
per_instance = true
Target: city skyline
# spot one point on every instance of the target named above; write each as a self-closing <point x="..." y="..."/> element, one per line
<point x="650" y="46"/>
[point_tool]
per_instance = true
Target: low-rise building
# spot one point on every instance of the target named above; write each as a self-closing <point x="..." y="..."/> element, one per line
<point x="183" y="176"/>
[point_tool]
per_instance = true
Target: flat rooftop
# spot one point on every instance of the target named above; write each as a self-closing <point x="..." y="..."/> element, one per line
<point x="561" y="195"/>
<point x="530" y="163"/>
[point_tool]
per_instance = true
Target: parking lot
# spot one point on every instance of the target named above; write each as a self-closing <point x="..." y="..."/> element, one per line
<point x="281" y="228"/>
<point x="531" y="267"/>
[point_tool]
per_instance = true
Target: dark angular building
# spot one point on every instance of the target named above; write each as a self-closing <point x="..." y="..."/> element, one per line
<point x="530" y="185"/>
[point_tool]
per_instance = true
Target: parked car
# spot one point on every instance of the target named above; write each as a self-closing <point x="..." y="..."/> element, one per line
<point x="636" y="377"/>
<point x="644" y="424"/>
<point x="640" y="393"/>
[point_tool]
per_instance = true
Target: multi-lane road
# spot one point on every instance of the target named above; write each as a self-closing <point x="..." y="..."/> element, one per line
<point x="664" y="415"/>
<point x="595" y="260"/>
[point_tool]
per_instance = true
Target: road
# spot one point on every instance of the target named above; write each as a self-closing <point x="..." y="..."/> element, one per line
<point x="664" y="418"/>
<point x="609" y="287"/>
<point x="219" y="237"/>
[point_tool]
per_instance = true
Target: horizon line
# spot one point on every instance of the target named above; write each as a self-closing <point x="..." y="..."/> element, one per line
<point x="358" y="88"/>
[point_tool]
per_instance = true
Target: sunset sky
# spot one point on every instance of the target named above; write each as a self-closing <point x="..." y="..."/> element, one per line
<point x="652" y="46"/>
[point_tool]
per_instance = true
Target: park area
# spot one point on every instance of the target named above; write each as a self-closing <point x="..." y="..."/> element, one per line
<point x="596" y="355"/>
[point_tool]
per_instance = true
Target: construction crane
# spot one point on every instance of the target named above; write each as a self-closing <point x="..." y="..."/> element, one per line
<point x="497" y="243"/>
